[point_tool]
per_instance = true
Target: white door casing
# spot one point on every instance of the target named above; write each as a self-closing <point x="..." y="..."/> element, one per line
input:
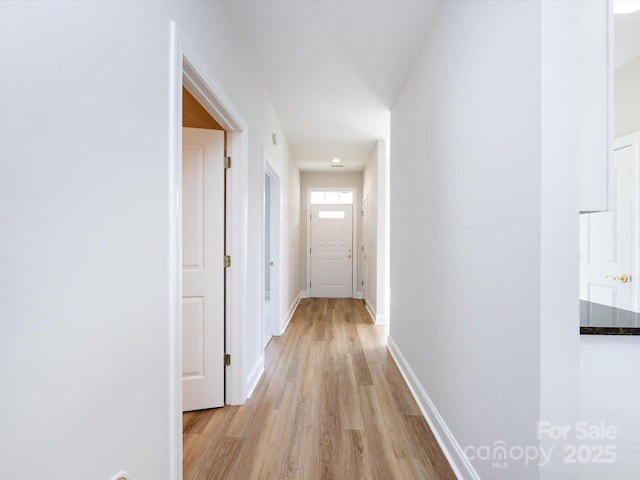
<point x="272" y="257"/>
<point x="364" y="249"/>
<point x="203" y="268"/>
<point x="608" y="240"/>
<point x="331" y="256"/>
<point x="267" y="262"/>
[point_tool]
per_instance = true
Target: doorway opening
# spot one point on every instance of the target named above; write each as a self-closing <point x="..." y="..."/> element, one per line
<point x="188" y="71"/>
<point x="331" y="229"/>
<point x="364" y="250"/>
<point x="271" y="252"/>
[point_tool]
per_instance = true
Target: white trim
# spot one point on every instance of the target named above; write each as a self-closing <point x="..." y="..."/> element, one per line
<point x="188" y="70"/>
<point x="175" y="281"/>
<point x="632" y="140"/>
<point x="255" y="375"/>
<point x="291" y="312"/>
<point x="271" y="171"/>
<point x="236" y="391"/>
<point x="377" y="318"/>
<point x="450" y="447"/>
<point x="354" y="232"/>
<point x="303" y="294"/>
<point x="359" y="295"/>
<point x="382" y="319"/>
<point x="371" y="310"/>
<point x="364" y="244"/>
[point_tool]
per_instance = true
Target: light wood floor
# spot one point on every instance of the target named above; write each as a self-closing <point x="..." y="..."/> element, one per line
<point x="331" y="405"/>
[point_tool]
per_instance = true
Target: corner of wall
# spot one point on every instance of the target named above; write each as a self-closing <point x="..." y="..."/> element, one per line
<point x="382" y="319"/>
<point x="290" y="312"/>
<point x="449" y="445"/>
<point x="254" y="376"/>
<point x="371" y="310"/>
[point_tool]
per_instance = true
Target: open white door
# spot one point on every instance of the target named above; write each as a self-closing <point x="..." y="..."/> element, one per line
<point x="272" y="257"/>
<point x="202" y="268"/>
<point x="331" y="251"/>
<point x="607" y="239"/>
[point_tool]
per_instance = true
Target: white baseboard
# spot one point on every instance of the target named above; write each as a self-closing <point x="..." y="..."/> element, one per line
<point x="254" y="376"/>
<point x="359" y="295"/>
<point x="304" y="294"/>
<point x="377" y="318"/>
<point x="450" y="447"/>
<point x="382" y="319"/>
<point x="290" y="312"/>
<point x="371" y="310"/>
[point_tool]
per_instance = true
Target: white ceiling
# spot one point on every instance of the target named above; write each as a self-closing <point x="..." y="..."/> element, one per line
<point x="626" y="39"/>
<point x="333" y="69"/>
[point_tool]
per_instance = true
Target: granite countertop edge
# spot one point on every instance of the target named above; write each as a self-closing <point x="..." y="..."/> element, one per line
<point x="598" y="319"/>
<point x="609" y="331"/>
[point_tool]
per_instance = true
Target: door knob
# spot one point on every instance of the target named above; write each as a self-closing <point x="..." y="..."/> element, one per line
<point x="624" y="278"/>
<point x="271" y="264"/>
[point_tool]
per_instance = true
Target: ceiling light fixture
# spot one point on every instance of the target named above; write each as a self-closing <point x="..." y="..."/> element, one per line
<point x="625" y="6"/>
<point x="335" y="160"/>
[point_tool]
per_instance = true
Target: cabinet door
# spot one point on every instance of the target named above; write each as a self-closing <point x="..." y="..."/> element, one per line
<point x="595" y="89"/>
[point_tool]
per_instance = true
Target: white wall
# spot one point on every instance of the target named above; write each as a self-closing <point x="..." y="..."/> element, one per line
<point x="478" y="322"/>
<point x="294" y="246"/>
<point x="85" y="309"/>
<point x="329" y="180"/>
<point x="610" y="393"/>
<point x="608" y="387"/>
<point x="376" y="189"/>
<point x="561" y="130"/>
<point x="626" y="96"/>
<point x="370" y="191"/>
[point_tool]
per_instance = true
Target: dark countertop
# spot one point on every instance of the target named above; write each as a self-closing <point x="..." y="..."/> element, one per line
<point x="596" y="319"/>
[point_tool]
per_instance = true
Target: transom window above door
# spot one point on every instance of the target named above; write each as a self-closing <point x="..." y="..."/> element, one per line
<point x="331" y="198"/>
<point x="322" y="214"/>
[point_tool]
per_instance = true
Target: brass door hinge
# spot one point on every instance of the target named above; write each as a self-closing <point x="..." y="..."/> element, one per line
<point x="227" y="162"/>
<point x="227" y="261"/>
<point x="227" y="359"/>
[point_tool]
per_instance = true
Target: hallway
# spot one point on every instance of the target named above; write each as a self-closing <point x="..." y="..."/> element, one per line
<point x="331" y="405"/>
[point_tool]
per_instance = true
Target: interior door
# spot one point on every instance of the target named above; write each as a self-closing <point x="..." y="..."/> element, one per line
<point x="607" y="239"/>
<point x="268" y="263"/>
<point x="331" y="251"/>
<point x="202" y="268"/>
<point x="365" y="249"/>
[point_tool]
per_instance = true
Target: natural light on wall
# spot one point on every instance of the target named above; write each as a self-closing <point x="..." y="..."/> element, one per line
<point x="331" y="198"/>
<point x="625" y="6"/>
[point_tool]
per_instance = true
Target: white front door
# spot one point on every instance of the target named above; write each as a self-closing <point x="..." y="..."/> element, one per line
<point x="202" y="268"/>
<point x="331" y="251"/>
<point x="607" y="239"/>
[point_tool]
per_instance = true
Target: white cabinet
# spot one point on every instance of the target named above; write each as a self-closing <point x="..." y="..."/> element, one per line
<point x="595" y="86"/>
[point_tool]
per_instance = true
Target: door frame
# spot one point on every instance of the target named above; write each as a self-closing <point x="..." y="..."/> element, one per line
<point x="189" y="70"/>
<point x="632" y="140"/>
<point x="354" y="234"/>
<point x="273" y="326"/>
<point x="364" y="247"/>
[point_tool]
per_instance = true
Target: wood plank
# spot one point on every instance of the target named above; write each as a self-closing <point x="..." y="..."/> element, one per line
<point x="331" y="405"/>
